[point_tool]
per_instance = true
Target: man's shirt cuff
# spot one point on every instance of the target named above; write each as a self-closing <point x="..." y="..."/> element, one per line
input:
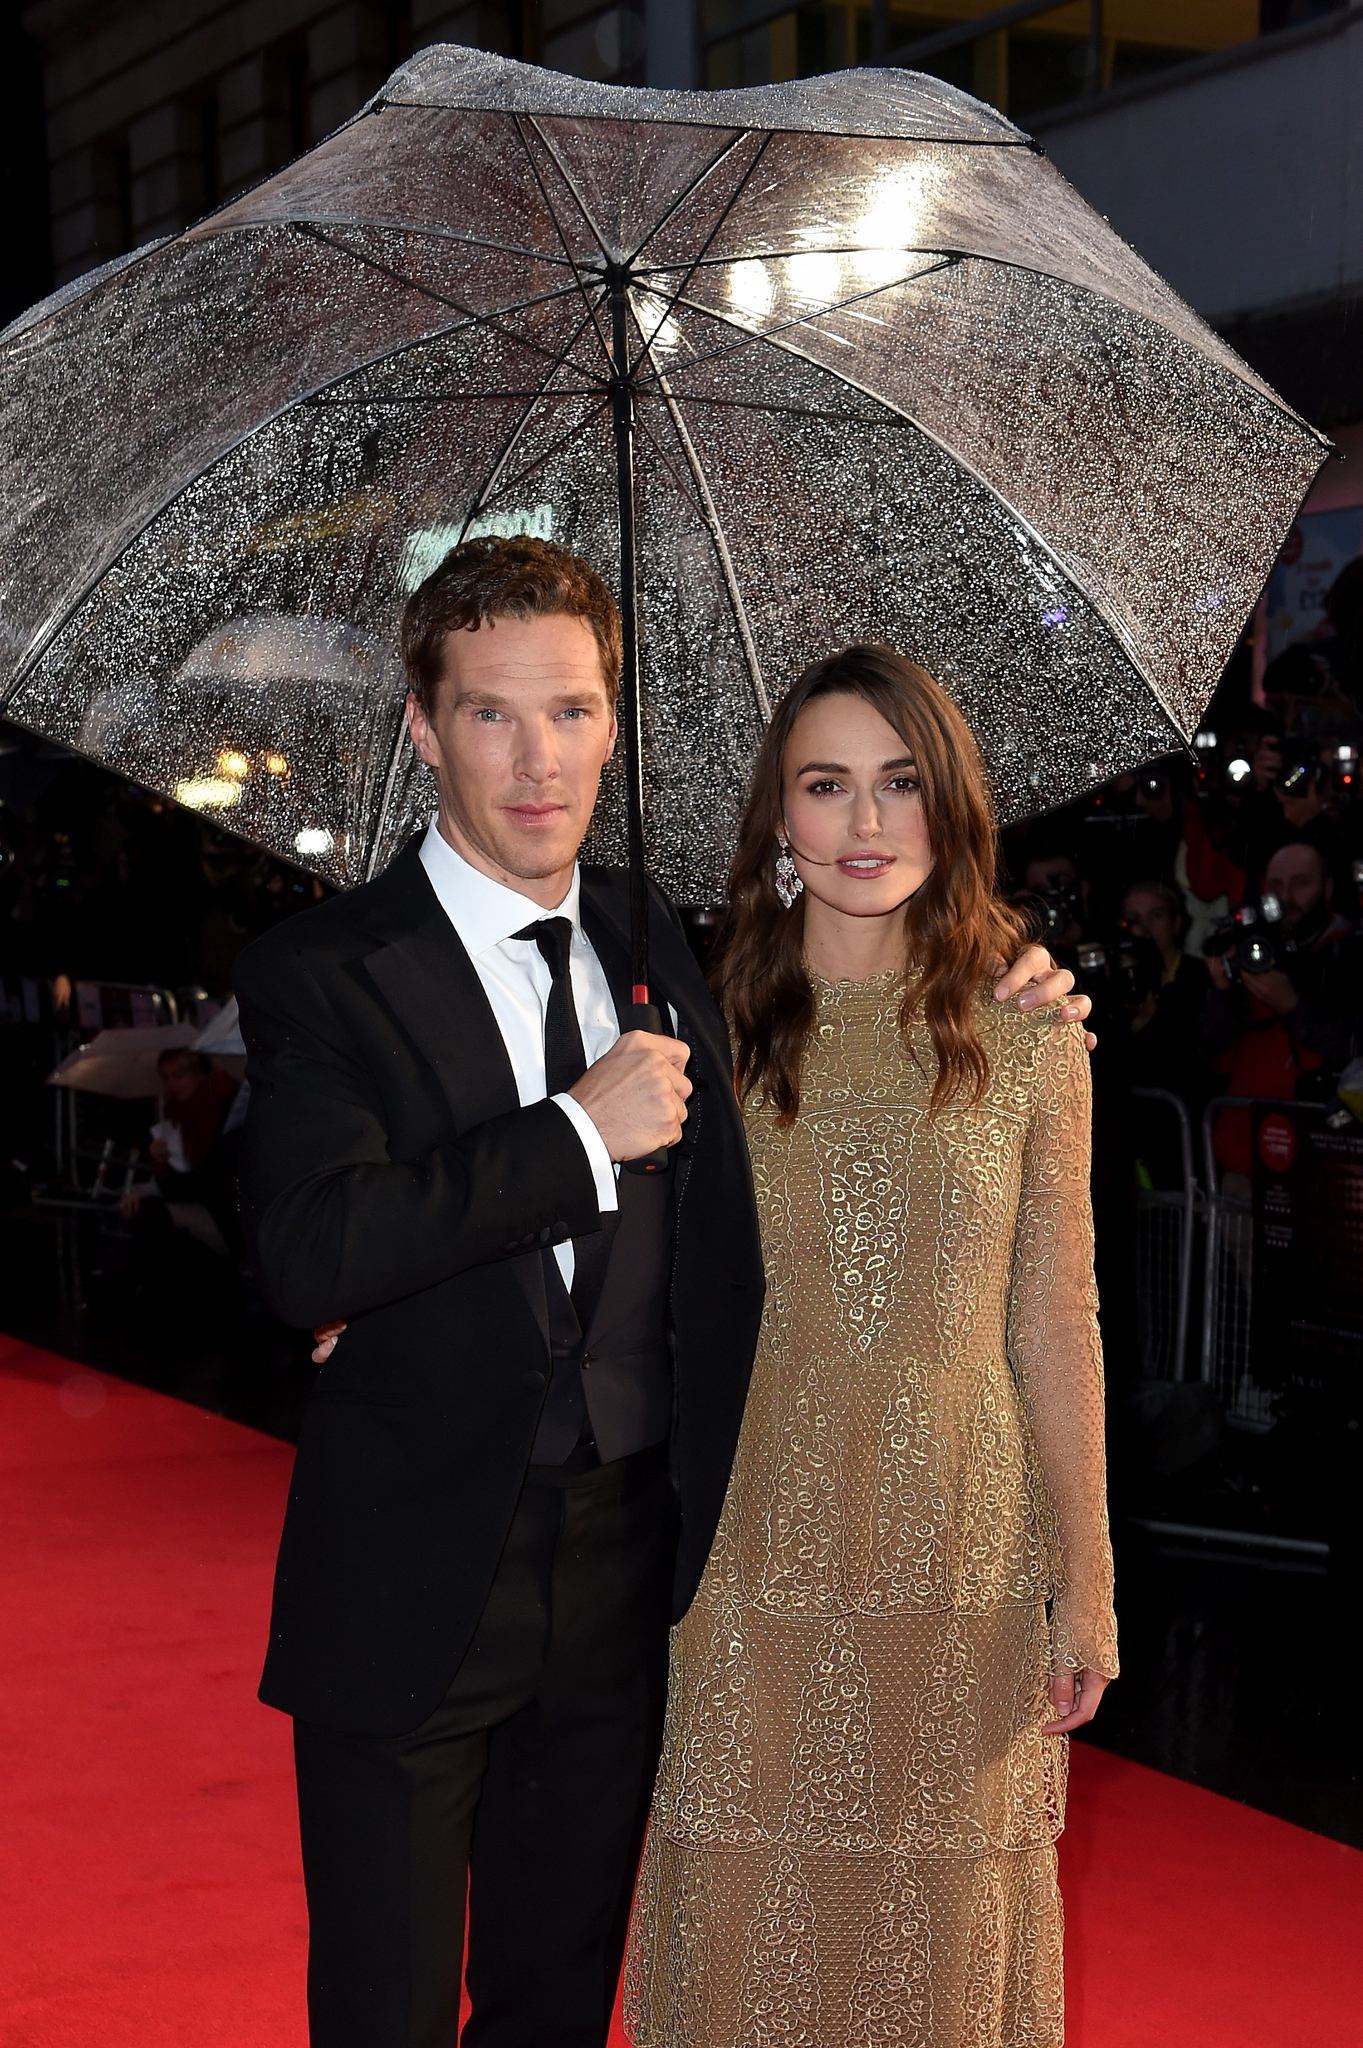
<point x="594" y="1145"/>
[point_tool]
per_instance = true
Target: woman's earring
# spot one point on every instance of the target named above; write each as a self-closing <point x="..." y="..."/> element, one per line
<point x="788" y="883"/>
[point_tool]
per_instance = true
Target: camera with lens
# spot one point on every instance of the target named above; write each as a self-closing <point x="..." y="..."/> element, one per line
<point x="1054" y="907"/>
<point x="1223" y="763"/>
<point x="1127" y="969"/>
<point x="1302" y="772"/>
<point x="1250" y="939"/>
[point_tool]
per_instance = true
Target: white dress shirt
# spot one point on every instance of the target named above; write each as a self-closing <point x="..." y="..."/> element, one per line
<point x="516" y="978"/>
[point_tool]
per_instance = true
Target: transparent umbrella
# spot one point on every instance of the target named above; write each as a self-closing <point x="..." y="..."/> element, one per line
<point x="837" y="360"/>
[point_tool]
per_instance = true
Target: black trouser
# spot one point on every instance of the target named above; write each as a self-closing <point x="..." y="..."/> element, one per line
<point x="527" y="1790"/>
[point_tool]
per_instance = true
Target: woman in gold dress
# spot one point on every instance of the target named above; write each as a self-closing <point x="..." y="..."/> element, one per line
<point x="909" y="1597"/>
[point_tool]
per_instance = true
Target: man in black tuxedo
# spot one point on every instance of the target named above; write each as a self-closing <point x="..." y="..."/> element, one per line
<point x="512" y="1465"/>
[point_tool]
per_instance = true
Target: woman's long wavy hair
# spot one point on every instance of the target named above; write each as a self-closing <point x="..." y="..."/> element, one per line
<point x="954" y="925"/>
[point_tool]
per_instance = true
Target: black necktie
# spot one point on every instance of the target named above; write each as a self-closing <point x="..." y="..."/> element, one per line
<point x="565" y="1060"/>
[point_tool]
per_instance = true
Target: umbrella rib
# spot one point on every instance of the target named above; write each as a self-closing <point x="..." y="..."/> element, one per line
<point x="391" y="225"/>
<point x="569" y="181"/>
<point x="1119" y="631"/>
<point x="592" y="307"/>
<point x="544" y="456"/>
<point x="1239" y="371"/>
<point x="792" y="412"/>
<point x="730" y="146"/>
<point x="725" y="211"/>
<point x="666" y="458"/>
<point x="784" y="326"/>
<point x="720" y="541"/>
<point x="503" y="455"/>
<point x="457" y="397"/>
<point x="57" y="625"/>
<point x="812" y="249"/>
<point x="385" y="800"/>
<point x="492" y="320"/>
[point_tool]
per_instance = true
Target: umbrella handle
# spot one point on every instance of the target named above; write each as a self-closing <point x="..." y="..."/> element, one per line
<point x="646" y="1017"/>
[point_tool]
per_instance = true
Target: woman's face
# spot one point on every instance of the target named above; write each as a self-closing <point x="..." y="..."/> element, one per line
<point x="853" y="811"/>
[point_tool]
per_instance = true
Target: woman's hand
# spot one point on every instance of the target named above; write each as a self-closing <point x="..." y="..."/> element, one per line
<point x="324" y="1337"/>
<point x="1075" y="1696"/>
<point x="1035" y="980"/>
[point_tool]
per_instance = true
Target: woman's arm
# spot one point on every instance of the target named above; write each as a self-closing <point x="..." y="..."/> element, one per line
<point x="1056" y="1356"/>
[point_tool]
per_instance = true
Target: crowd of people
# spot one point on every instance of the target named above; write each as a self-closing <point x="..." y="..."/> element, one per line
<point x="1211" y="907"/>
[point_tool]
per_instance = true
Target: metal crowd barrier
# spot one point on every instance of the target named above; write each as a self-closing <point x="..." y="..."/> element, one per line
<point x="25" y="1000"/>
<point x="1228" y="1284"/>
<point x="1166" y="1221"/>
<point x="86" y="1163"/>
<point x="1169" y="1250"/>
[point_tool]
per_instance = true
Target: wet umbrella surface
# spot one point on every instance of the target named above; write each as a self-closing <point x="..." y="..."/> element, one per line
<point x="883" y="375"/>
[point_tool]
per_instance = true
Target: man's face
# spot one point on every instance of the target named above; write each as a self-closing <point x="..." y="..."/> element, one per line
<point x="1296" y="876"/>
<point x="1056" y="871"/>
<point x="518" y="736"/>
<point x="181" y="1079"/>
<point x="1150" y="917"/>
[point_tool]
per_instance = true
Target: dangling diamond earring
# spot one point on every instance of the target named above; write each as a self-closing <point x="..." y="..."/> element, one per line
<point x="788" y="883"/>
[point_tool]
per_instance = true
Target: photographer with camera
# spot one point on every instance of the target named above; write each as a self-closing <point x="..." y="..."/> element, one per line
<point x="1052" y="892"/>
<point x="1148" y="994"/>
<point x="1164" y="990"/>
<point x="1287" y="992"/>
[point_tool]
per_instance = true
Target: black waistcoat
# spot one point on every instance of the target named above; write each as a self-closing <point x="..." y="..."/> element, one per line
<point x="614" y="1381"/>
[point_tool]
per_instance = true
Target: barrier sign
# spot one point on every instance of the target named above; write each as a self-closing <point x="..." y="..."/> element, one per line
<point x="1317" y="548"/>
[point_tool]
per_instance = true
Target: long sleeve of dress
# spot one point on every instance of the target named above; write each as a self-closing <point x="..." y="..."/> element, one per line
<point x="1056" y="1353"/>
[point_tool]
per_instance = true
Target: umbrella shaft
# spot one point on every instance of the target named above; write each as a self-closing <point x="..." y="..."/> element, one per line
<point x="622" y="412"/>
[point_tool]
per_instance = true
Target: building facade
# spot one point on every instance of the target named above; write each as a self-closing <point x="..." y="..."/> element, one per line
<point x="1222" y="137"/>
<point x="157" y="110"/>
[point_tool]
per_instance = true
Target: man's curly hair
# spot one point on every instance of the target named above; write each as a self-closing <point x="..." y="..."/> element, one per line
<point x="514" y="578"/>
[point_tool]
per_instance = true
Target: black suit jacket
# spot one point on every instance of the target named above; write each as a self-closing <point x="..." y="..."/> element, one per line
<point x="390" y="1177"/>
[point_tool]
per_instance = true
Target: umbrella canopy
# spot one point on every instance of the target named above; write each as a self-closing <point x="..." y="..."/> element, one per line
<point x="881" y="374"/>
<point x="122" y="1063"/>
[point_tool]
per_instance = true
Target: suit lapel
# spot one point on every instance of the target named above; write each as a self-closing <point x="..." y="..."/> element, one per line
<point x="611" y="951"/>
<point x="425" y="976"/>
<point x="676" y="976"/>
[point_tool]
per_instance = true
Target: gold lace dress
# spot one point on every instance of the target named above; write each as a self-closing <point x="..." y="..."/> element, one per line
<point x="852" y="1841"/>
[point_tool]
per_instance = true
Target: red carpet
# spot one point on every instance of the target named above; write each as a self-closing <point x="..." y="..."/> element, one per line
<point x="149" y="1886"/>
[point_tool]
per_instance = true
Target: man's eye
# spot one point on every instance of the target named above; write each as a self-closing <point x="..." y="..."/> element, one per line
<point x="573" y="711"/>
<point x="487" y="716"/>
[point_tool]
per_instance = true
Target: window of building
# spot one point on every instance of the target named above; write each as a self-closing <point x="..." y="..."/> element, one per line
<point x="605" y="43"/>
<point x="397" y="35"/>
<point x="210" y="154"/>
<point x="297" y="99"/>
<point x="1059" y="51"/>
<point x="119" y="172"/>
